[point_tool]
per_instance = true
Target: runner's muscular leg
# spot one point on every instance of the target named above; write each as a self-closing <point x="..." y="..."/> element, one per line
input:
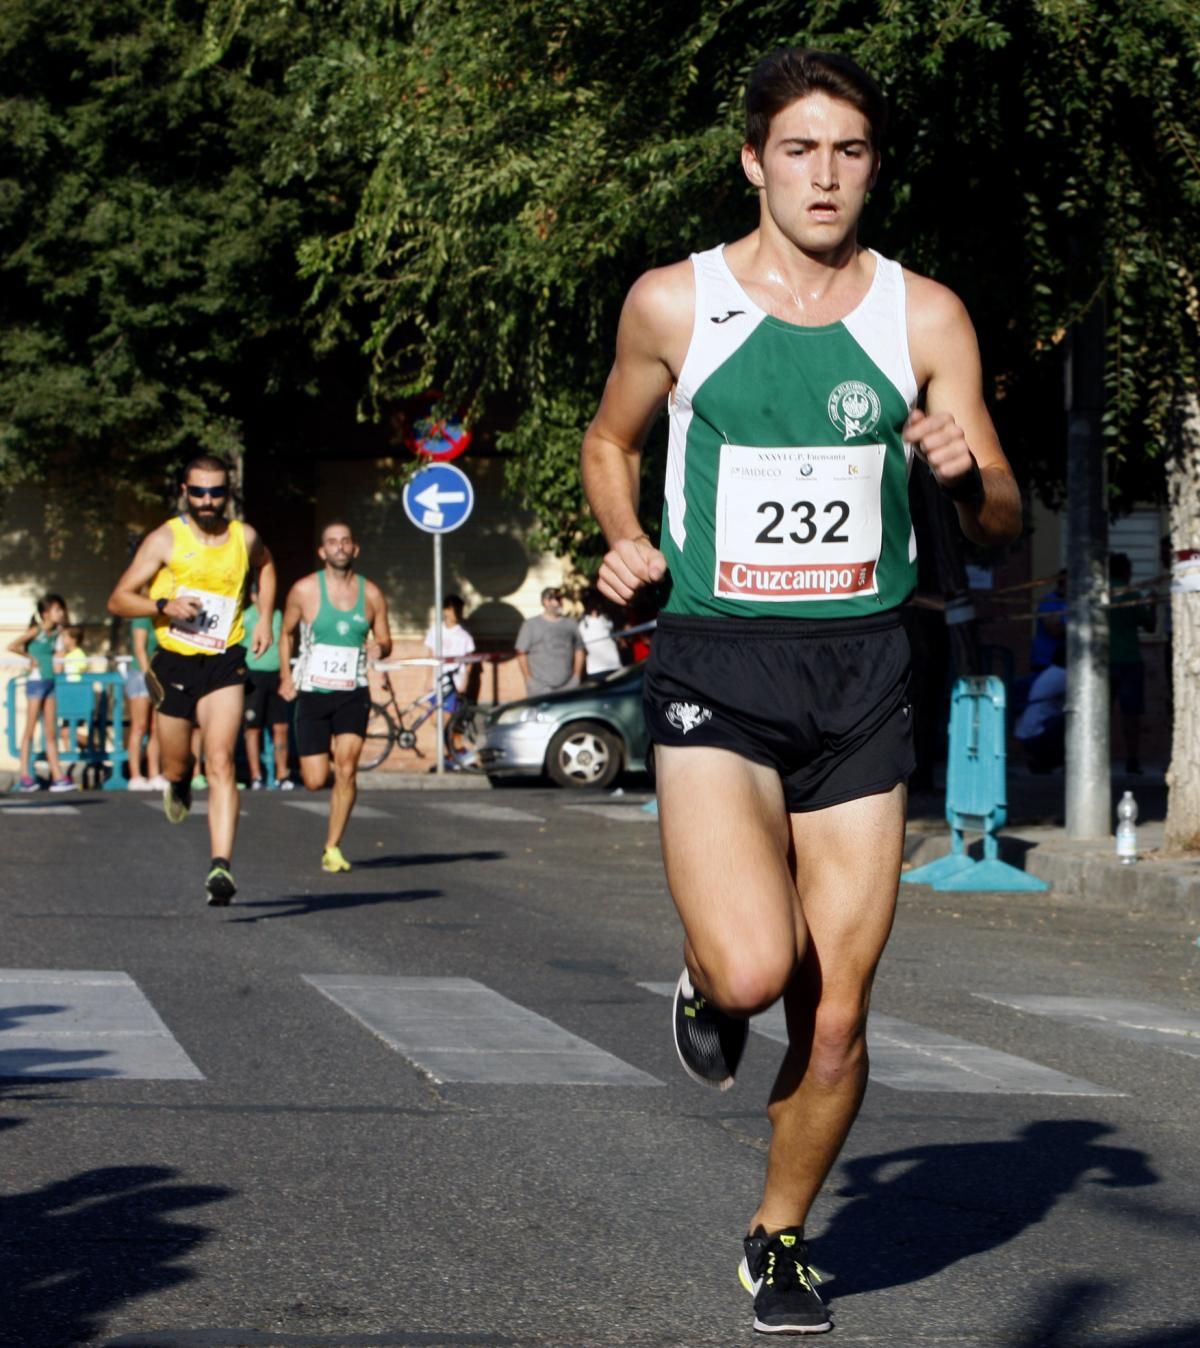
<point x="347" y="749"/>
<point x="847" y="861"/>
<point x="725" y="844"/>
<point x="175" y="747"/>
<point x="219" y="715"/>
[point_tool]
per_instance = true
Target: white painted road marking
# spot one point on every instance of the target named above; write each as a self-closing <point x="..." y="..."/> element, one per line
<point x="455" y="1029"/>
<point x="910" y="1057"/>
<point x="627" y="814"/>
<point x="39" y="809"/>
<point x="501" y="814"/>
<point x="1139" y="1022"/>
<point x="321" y="808"/>
<point x="199" y="807"/>
<point x="65" y="1024"/>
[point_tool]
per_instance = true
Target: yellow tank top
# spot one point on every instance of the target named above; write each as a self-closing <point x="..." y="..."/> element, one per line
<point x="218" y="576"/>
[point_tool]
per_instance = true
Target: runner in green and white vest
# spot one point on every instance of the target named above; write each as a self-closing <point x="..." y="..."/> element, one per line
<point x="802" y="375"/>
<point x="341" y="616"/>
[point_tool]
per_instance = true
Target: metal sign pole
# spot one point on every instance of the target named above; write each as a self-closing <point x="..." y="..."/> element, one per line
<point x="437" y="649"/>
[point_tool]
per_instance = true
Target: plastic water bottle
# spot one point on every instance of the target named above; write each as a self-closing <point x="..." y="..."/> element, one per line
<point x="1127" y="813"/>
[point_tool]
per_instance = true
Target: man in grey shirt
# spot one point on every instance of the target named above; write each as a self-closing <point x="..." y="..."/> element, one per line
<point x="549" y="648"/>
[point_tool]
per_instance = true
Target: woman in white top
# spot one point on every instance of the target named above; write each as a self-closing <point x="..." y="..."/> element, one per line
<point x="596" y="632"/>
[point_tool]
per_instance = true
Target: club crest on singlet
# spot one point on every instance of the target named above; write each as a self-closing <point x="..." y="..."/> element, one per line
<point x="854" y="408"/>
<point x="685" y="716"/>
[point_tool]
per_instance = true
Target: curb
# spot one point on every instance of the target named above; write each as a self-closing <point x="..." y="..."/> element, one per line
<point x="1087" y="872"/>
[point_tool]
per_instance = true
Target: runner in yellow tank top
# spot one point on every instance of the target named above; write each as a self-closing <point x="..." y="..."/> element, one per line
<point x="195" y="568"/>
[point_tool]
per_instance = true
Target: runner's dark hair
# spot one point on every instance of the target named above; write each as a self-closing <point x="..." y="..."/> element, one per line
<point x="789" y="73"/>
<point x="329" y="524"/>
<point x="454" y="601"/>
<point x="47" y="600"/>
<point x="206" y="463"/>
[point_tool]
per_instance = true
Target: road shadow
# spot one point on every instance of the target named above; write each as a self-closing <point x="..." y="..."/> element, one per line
<point x="1068" y="1315"/>
<point x="427" y="859"/>
<point x="914" y="1212"/>
<point x="76" y="1248"/>
<point x="302" y="905"/>
<point x="36" y="1061"/>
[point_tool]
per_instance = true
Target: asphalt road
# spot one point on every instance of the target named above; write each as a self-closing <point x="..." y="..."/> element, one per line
<point x="434" y="1102"/>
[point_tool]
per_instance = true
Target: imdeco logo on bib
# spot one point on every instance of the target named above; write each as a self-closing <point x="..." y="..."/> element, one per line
<point x="854" y="408"/>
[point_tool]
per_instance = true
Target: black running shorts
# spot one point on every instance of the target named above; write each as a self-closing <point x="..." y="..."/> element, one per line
<point x="264" y="706"/>
<point x="321" y="716"/>
<point x="825" y="703"/>
<point x="177" y="682"/>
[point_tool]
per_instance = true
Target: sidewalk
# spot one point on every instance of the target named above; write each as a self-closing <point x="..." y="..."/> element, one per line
<point x="1035" y="839"/>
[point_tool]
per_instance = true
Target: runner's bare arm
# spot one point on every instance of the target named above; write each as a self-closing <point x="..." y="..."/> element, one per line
<point x="954" y="434"/>
<point x="264" y="565"/>
<point x="380" y="631"/>
<point x="127" y="599"/>
<point x="293" y="611"/>
<point x="651" y="341"/>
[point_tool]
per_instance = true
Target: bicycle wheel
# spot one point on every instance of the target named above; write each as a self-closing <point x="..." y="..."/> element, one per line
<point x="462" y="740"/>
<point x="381" y="735"/>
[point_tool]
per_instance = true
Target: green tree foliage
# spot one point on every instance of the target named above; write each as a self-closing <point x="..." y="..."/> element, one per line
<point x="150" y="303"/>
<point x="527" y="160"/>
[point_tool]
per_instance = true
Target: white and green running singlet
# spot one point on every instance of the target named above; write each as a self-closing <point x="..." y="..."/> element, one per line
<point x="787" y="478"/>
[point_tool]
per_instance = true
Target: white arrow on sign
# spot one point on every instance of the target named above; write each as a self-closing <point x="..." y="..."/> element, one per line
<point x="433" y="497"/>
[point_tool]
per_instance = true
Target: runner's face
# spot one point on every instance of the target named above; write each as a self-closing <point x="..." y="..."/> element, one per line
<point x="449" y="617"/>
<point x="207" y="510"/>
<point x="54" y="616"/>
<point x="338" y="550"/>
<point x="815" y="172"/>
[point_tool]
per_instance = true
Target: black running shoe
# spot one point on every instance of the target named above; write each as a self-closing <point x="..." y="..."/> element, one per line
<point x="220" y="887"/>
<point x="776" y="1273"/>
<point x="709" y="1042"/>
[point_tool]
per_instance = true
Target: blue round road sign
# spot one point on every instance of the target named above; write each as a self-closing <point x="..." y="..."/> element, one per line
<point x="439" y="498"/>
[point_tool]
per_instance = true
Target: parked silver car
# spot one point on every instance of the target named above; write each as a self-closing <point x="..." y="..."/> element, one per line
<point x="582" y="736"/>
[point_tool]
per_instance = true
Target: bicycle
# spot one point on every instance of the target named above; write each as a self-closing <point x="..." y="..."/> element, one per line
<point x="391" y="726"/>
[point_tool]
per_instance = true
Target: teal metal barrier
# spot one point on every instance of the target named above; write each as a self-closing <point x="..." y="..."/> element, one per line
<point x="92" y="710"/>
<point x="976" y="795"/>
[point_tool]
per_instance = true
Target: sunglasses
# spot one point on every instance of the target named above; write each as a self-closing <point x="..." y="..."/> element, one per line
<point x="217" y="493"/>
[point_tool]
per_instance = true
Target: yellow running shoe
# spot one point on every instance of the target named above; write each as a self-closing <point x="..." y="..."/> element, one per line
<point x="333" y="861"/>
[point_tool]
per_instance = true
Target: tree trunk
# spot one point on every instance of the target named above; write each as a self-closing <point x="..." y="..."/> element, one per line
<point x="1183" y="778"/>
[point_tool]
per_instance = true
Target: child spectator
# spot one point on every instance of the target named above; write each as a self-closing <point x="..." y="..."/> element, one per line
<point x="40" y="645"/>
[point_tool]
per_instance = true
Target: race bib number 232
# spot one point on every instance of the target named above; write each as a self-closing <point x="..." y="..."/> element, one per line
<point x="798" y="523"/>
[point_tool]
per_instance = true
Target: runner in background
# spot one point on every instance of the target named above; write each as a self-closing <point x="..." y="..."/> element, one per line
<point x="338" y="613"/>
<point x="143" y="721"/>
<point x="265" y="709"/>
<point x="196" y="566"/>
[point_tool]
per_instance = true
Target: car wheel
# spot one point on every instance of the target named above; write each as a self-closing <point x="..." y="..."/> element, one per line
<point x="584" y="754"/>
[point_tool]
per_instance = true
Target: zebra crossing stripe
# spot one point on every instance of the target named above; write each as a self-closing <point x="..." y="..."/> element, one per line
<point x="39" y="809"/>
<point x="66" y="1024"/>
<point x="627" y="814"/>
<point x="909" y="1057"/>
<point x="500" y="814"/>
<point x="1138" y="1022"/>
<point x="458" y="1030"/>
<point x="321" y="808"/>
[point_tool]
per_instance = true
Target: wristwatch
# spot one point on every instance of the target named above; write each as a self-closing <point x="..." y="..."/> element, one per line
<point x="160" y="604"/>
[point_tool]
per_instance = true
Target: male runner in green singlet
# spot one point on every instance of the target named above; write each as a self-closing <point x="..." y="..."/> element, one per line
<point x="338" y="613"/>
<point x="801" y="372"/>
